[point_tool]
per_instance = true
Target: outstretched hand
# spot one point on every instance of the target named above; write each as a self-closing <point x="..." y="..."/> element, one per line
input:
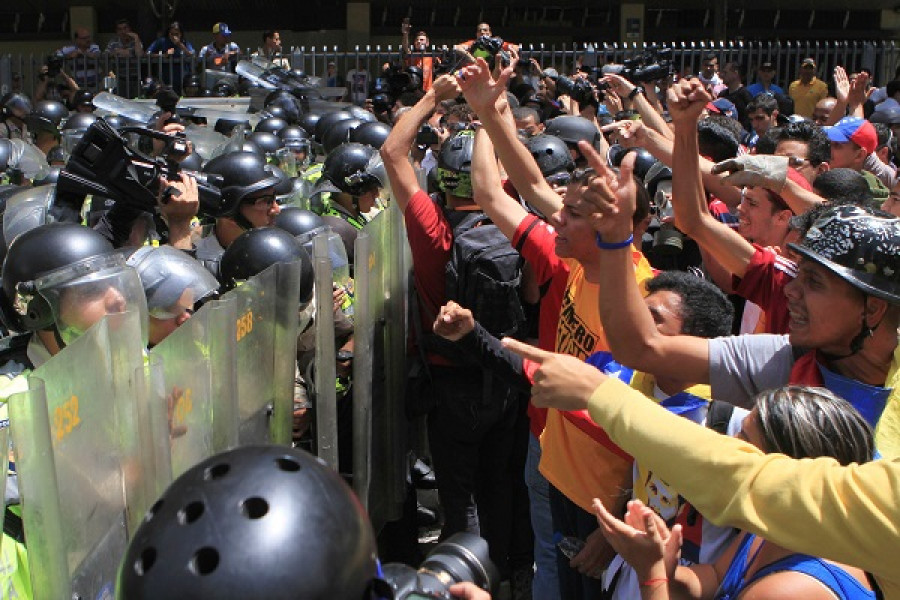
<point x="642" y="539"/>
<point x="479" y="86"/>
<point x="561" y="381"/>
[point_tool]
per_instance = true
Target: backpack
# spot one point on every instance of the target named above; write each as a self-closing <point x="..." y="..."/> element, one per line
<point x="484" y="273"/>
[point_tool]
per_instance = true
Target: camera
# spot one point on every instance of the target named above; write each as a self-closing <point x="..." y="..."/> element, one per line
<point x="399" y="80"/>
<point x="580" y="90"/>
<point x="651" y="65"/>
<point x="427" y="136"/>
<point x="487" y="48"/>
<point x="103" y="164"/>
<point x="54" y="65"/>
<point x="461" y="557"/>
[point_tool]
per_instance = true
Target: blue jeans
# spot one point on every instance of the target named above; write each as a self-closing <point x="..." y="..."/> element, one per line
<point x="546" y="581"/>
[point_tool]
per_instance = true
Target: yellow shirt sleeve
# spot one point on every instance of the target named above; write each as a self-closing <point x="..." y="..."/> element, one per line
<point x="847" y="514"/>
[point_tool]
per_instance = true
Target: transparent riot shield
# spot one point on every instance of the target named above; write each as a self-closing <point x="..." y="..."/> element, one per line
<point x="223" y="371"/>
<point x="4" y="462"/>
<point x="380" y="425"/>
<point x="255" y="305"/>
<point x="90" y="463"/>
<point x="287" y="327"/>
<point x="325" y="365"/>
<point x="184" y="357"/>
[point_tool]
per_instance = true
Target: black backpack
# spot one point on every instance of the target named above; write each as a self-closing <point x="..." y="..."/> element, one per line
<point x="484" y="273"/>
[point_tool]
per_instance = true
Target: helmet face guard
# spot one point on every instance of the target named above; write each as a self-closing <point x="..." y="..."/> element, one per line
<point x="173" y="282"/>
<point x="75" y="297"/>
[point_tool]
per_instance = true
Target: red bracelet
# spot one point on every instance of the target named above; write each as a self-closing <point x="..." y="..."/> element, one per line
<point x="650" y="582"/>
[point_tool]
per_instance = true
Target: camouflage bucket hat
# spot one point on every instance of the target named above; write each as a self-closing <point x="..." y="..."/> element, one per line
<point x="859" y="245"/>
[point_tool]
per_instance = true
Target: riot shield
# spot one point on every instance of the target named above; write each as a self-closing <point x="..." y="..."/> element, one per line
<point x="325" y="366"/>
<point x="380" y="424"/>
<point x="4" y="461"/>
<point x="90" y="463"/>
<point x="185" y="362"/>
<point x="223" y="371"/>
<point x="255" y="306"/>
<point x="287" y="327"/>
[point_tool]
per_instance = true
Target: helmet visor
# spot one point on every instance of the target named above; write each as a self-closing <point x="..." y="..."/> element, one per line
<point x="83" y="293"/>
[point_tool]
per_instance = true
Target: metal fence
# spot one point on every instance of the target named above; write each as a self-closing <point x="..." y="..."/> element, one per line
<point x="123" y="75"/>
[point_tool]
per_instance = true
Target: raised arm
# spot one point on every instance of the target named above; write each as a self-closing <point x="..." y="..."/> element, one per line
<point x="487" y="97"/>
<point x="639" y="101"/>
<point x="395" y="150"/>
<point x="687" y="99"/>
<point x="503" y="210"/>
<point x="627" y="322"/>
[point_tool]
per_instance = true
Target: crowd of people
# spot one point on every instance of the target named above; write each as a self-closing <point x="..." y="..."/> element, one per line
<point x="653" y="322"/>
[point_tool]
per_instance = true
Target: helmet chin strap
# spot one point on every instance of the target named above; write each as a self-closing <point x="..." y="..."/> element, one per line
<point x="241" y="220"/>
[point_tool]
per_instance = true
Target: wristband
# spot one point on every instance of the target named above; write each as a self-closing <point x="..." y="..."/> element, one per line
<point x="652" y="582"/>
<point x="614" y="245"/>
<point x="637" y="90"/>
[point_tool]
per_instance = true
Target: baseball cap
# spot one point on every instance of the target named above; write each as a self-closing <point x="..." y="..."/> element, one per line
<point x="808" y="62"/>
<point x="221" y="28"/>
<point x="767" y="66"/>
<point x="723" y="107"/>
<point x="551" y="73"/>
<point x="856" y="130"/>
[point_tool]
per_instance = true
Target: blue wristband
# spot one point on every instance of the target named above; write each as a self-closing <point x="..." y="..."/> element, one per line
<point x="615" y="245"/>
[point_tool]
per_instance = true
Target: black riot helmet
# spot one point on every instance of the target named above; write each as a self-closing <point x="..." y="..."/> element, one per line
<point x="455" y="164"/>
<point x="245" y="145"/>
<point x="15" y="104"/>
<point x="346" y="170"/>
<point x="79" y="122"/>
<point x="271" y="125"/>
<point x="256" y="250"/>
<point x="362" y="114"/>
<point x="656" y="174"/>
<point x="643" y="160"/>
<point x="149" y="87"/>
<point x="326" y="121"/>
<point x="192" y="162"/>
<point x="47" y="115"/>
<point x="256" y="522"/>
<point x="243" y="173"/>
<point x="339" y="133"/>
<point x="292" y="106"/>
<point x="299" y="221"/>
<point x="572" y="129"/>
<point x="82" y="98"/>
<point x="308" y="121"/>
<point x="227" y="125"/>
<point x="115" y="121"/>
<point x="550" y="153"/>
<point x="268" y="142"/>
<point x="293" y="135"/>
<point x="35" y="253"/>
<point x="373" y="133"/>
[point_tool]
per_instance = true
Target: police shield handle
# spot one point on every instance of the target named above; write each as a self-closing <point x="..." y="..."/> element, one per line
<point x="560" y="381"/>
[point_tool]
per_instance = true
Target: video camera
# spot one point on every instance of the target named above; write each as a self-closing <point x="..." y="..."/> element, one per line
<point x="103" y="164"/>
<point x="402" y="79"/>
<point x="651" y="65"/>
<point x="461" y="557"/>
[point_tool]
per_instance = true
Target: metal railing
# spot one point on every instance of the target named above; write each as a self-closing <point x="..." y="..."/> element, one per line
<point x="123" y="75"/>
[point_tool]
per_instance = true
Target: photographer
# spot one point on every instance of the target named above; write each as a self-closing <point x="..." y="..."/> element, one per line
<point x="483" y="34"/>
<point x="414" y="55"/>
<point x="54" y="83"/>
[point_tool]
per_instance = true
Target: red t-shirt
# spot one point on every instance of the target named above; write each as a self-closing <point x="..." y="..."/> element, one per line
<point x="535" y="241"/>
<point x="763" y="284"/>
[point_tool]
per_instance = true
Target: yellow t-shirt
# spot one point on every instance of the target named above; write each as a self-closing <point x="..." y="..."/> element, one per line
<point x="576" y="459"/>
<point x="805" y="96"/>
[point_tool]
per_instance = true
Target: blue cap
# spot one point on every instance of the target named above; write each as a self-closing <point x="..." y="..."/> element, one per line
<point x="221" y="28"/>
<point x="724" y="107"/>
